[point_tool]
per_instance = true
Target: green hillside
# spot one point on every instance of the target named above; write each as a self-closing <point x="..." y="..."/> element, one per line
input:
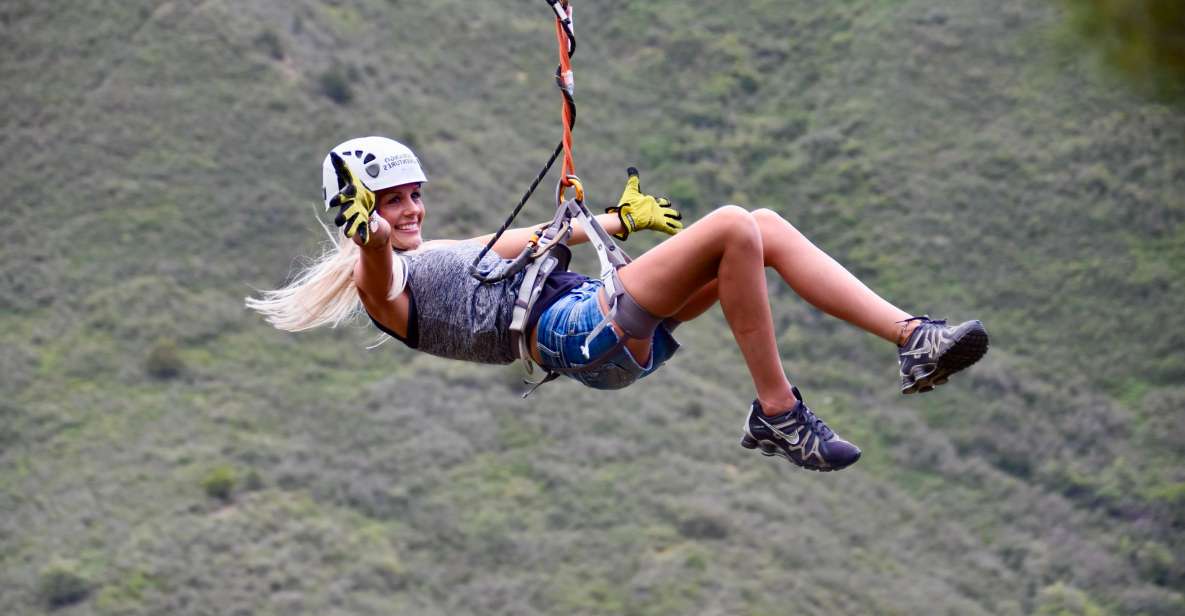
<point x="163" y="451"/>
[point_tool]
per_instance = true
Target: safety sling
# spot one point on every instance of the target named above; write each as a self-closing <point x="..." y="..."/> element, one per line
<point x="547" y="250"/>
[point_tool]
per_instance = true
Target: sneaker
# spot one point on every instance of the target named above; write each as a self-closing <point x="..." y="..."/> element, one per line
<point x="799" y="436"/>
<point x="936" y="350"/>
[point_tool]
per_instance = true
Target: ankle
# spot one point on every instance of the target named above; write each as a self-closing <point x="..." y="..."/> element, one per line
<point x="907" y="328"/>
<point x="776" y="406"/>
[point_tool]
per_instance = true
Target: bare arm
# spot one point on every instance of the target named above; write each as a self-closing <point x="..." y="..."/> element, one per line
<point x="644" y="212"/>
<point x="610" y="222"/>
<point x="513" y="240"/>
<point x="372" y="272"/>
<point x="374" y="278"/>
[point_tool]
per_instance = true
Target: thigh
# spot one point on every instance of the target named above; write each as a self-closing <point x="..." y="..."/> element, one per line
<point x="565" y="329"/>
<point x="699" y="303"/>
<point x="666" y="277"/>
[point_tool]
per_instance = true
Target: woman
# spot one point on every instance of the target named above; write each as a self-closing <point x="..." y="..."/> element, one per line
<point x="422" y="294"/>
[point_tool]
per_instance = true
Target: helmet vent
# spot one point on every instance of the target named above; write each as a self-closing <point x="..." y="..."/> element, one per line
<point x="379" y="163"/>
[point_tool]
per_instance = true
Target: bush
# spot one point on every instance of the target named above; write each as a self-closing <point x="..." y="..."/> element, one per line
<point x="270" y="43"/>
<point x="254" y="481"/>
<point x="335" y="85"/>
<point x="704" y="526"/>
<point x="1139" y="39"/>
<point x="164" y="361"/>
<point x="1062" y="600"/>
<point x="220" y="482"/>
<point x="62" y="584"/>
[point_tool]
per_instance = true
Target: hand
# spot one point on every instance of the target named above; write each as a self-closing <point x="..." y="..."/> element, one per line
<point x="355" y="200"/>
<point x="641" y="211"/>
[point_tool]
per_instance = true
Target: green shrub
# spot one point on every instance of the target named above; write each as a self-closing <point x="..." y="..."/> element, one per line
<point x="1062" y="600"/>
<point x="1138" y="39"/>
<point x="220" y="482"/>
<point x="334" y="84"/>
<point x="62" y="584"/>
<point x="254" y="481"/>
<point x="164" y="361"/>
<point x="269" y="42"/>
<point x="704" y="526"/>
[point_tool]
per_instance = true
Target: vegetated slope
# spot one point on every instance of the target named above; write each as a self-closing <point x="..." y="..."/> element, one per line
<point x="161" y="450"/>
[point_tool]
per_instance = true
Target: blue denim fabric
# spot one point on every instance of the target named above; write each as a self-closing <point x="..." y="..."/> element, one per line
<point x="565" y="325"/>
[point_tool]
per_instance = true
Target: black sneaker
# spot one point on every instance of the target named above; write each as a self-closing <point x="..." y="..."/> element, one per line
<point x="800" y="437"/>
<point x="936" y="350"/>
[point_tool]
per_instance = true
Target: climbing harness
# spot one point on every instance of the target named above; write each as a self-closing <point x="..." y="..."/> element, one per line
<point x="547" y="249"/>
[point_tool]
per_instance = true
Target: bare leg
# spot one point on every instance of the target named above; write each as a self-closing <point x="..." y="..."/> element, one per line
<point x="817" y="278"/>
<point x="724" y="247"/>
<point x="823" y="282"/>
<point x="699" y="303"/>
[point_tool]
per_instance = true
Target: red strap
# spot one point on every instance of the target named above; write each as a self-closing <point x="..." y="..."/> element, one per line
<point x="569" y="166"/>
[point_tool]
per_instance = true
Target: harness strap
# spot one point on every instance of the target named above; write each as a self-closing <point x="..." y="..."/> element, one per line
<point x="537" y="258"/>
<point x="566" y="81"/>
<point x="634" y="320"/>
<point x="532" y="286"/>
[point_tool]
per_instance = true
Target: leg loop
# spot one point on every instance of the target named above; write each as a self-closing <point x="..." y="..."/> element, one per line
<point x="634" y="320"/>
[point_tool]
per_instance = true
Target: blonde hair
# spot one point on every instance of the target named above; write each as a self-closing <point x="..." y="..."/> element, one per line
<point x="323" y="293"/>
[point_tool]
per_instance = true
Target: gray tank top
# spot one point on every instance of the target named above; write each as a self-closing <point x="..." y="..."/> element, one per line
<point x="456" y="316"/>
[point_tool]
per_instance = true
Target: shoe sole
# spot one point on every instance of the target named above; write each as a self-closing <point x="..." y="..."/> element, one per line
<point x="770" y="449"/>
<point x="968" y="348"/>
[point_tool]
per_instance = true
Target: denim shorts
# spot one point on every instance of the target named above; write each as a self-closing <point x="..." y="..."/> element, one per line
<point x="565" y="326"/>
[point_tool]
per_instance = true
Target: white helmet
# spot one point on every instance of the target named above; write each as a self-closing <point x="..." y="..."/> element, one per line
<point x="377" y="161"/>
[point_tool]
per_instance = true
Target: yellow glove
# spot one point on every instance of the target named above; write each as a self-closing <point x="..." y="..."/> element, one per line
<point x="640" y="211"/>
<point x="355" y="200"/>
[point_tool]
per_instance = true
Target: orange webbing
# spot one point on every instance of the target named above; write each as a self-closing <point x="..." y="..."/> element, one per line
<point x="569" y="166"/>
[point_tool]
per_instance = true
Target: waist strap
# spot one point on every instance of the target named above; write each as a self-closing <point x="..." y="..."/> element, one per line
<point x="634" y="320"/>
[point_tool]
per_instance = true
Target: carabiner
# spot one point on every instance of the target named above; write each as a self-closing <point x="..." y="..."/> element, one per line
<point x="575" y="183"/>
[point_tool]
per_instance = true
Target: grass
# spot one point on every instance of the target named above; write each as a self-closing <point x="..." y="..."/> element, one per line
<point x="174" y="147"/>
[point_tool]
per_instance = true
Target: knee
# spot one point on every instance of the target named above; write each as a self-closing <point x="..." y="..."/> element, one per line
<point x="765" y="216"/>
<point x="738" y="224"/>
<point x="768" y="220"/>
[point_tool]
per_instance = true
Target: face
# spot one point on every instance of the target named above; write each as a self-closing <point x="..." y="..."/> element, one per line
<point x="402" y="208"/>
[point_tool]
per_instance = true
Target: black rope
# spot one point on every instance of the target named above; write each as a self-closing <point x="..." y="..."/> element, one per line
<point x="522" y="259"/>
<point x="510" y="271"/>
